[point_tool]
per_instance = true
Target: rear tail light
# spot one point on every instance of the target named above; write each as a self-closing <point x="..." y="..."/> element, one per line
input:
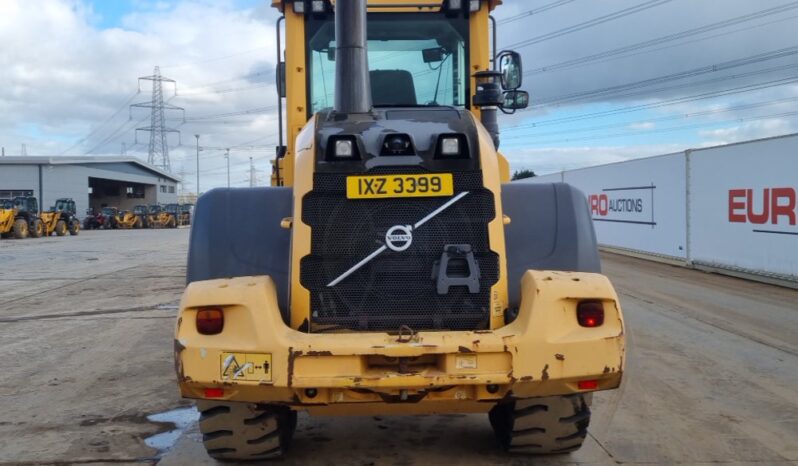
<point x="214" y="392"/>
<point x="210" y="321"/>
<point x="590" y="313"/>
<point x="587" y="384"/>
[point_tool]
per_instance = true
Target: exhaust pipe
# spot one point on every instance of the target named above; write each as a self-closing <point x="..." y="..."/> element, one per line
<point x="352" y="85"/>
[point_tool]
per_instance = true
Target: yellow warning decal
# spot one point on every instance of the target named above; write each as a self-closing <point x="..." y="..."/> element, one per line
<point x="252" y="367"/>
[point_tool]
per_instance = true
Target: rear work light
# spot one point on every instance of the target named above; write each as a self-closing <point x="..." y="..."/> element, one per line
<point x="590" y="313"/>
<point x="210" y="321"/>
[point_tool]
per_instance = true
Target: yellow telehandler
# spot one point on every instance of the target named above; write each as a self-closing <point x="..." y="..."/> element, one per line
<point x="132" y="219"/>
<point x="392" y="268"/>
<point x="60" y="219"/>
<point x="10" y="225"/>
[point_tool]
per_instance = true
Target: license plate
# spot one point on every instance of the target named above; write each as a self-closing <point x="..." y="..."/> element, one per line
<point x="253" y="367"/>
<point x="384" y="186"/>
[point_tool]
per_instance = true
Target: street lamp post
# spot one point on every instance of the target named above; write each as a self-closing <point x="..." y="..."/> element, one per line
<point x="227" y="156"/>
<point x="198" y="149"/>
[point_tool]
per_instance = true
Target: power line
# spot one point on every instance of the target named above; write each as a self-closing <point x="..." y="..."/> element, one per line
<point x="225" y="91"/>
<point x="664" y="39"/>
<point x="102" y="124"/>
<point x="230" y="114"/>
<point x="667" y="130"/>
<point x="605" y="91"/>
<point x="588" y="24"/>
<point x="735" y="108"/>
<point x="540" y="9"/>
<point x="664" y="103"/>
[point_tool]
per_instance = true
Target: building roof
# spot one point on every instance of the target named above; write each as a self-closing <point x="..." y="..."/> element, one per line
<point x="80" y="160"/>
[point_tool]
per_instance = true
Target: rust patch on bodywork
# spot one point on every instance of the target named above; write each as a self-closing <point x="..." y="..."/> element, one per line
<point x="545" y="374"/>
<point x="291" y="357"/>
<point x="320" y="353"/>
<point x="559" y="357"/>
<point x="463" y="349"/>
<point x="527" y="378"/>
<point x="179" y="347"/>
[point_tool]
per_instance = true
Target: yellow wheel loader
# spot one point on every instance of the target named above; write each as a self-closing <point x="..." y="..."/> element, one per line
<point x="132" y="219"/>
<point x="158" y="217"/>
<point x="392" y="268"/>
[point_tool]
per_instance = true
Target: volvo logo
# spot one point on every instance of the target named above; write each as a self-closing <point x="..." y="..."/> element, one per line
<point x="399" y="237"/>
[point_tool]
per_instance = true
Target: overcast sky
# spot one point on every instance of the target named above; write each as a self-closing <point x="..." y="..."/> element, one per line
<point x="609" y="79"/>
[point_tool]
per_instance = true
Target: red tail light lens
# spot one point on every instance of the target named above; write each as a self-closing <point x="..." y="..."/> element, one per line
<point x="214" y="392"/>
<point x="590" y="313"/>
<point x="587" y="384"/>
<point x="210" y="321"/>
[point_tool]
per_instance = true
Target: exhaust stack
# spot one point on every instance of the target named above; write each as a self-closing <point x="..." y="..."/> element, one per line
<point x="352" y="85"/>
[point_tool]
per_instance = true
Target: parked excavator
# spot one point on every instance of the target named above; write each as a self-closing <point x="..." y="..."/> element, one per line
<point x="392" y="268"/>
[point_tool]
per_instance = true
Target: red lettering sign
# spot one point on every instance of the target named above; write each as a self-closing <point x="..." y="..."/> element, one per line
<point x="768" y="206"/>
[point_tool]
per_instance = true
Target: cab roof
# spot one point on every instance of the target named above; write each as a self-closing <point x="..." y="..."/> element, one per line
<point x="397" y="6"/>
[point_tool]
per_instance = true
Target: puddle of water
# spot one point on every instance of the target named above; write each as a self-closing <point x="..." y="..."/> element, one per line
<point x="182" y="418"/>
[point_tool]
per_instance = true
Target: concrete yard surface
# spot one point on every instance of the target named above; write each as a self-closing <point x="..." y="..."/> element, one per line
<point x="86" y="329"/>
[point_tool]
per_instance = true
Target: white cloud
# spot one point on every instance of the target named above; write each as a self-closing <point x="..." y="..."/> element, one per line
<point x="62" y="76"/>
<point x="647" y="125"/>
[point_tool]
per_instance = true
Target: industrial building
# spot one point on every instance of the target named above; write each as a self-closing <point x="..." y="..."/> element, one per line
<point x="93" y="182"/>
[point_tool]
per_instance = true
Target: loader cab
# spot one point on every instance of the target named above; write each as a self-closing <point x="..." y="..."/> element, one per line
<point x="27" y="204"/>
<point x="415" y="60"/>
<point x="422" y="55"/>
<point x="141" y="210"/>
<point x="172" y="209"/>
<point x="110" y="211"/>
<point x="64" y="206"/>
<point x="155" y="209"/>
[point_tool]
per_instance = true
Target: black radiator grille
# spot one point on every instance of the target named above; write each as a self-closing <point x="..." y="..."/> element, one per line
<point x="395" y="288"/>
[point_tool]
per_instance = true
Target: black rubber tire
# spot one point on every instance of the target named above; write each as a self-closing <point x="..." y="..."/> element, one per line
<point x="74" y="228"/>
<point x="137" y="224"/>
<point x="542" y="426"/>
<point x="245" y="431"/>
<point x="36" y="229"/>
<point x="20" y="229"/>
<point x="61" y="228"/>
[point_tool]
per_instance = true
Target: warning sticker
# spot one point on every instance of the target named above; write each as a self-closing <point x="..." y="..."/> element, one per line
<point x="253" y="367"/>
<point x="466" y="362"/>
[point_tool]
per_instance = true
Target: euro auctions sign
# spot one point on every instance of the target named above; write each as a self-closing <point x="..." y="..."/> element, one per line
<point x="743" y="202"/>
<point x="624" y="205"/>
<point x="769" y="210"/>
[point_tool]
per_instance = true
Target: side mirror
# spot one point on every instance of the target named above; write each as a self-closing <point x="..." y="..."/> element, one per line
<point x="511" y="70"/>
<point x="515" y="100"/>
<point x="280" y="76"/>
<point x="433" y="55"/>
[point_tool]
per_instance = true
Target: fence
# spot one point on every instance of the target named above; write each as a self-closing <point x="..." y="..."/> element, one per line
<point x="732" y="208"/>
